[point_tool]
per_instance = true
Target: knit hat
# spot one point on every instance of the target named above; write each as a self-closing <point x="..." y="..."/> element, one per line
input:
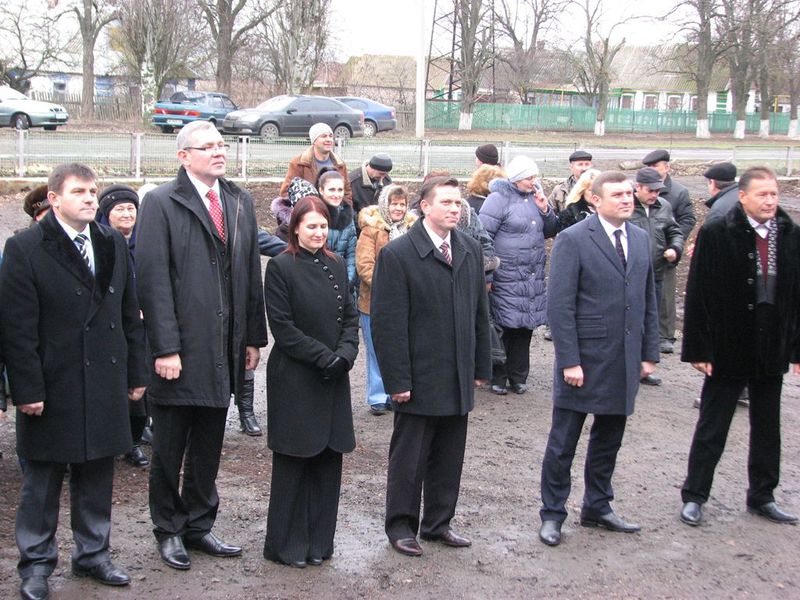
<point x="300" y="188"/>
<point x="36" y="201"/>
<point x="117" y="194"/>
<point x="521" y="167"/>
<point x="487" y="154"/>
<point x="317" y="130"/>
<point x="381" y="162"/>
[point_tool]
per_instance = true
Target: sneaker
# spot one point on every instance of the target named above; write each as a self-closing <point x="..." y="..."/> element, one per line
<point x="548" y="335"/>
<point x="377" y="409"/>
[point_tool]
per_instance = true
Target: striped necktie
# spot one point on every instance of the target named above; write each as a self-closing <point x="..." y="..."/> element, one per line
<point x="80" y="242"/>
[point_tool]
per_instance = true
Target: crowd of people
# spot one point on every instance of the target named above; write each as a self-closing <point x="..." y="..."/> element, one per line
<point x="119" y="307"/>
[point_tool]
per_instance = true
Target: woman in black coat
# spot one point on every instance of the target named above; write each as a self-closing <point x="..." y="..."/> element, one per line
<point x="310" y="423"/>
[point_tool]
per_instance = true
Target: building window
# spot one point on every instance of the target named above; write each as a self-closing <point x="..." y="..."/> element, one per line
<point x="693" y="103"/>
<point x="650" y="102"/>
<point x="674" y="103"/>
<point x="626" y="102"/>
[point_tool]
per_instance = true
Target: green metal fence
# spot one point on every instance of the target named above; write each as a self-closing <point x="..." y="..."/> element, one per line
<point x="445" y="115"/>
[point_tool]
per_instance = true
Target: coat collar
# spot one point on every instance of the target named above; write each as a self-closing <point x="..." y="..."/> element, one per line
<point x="601" y="240"/>
<point x="737" y="219"/>
<point x="307" y="158"/>
<point x="424" y="245"/>
<point x="57" y="244"/>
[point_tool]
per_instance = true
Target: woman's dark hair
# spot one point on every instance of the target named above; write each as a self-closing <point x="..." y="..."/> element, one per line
<point x="326" y="174"/>
<point x="306" y="204"/>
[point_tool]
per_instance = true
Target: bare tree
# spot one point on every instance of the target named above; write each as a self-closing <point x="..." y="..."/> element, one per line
<point x="787" y="62"/>
<point x="92" y="17"/>
<point x="526" y="24"/>
<point x="222" y="17"/>
<point x="29" y="41"/>
<point x="473" y="18"/>
<point x="593" y="65"/>
<point x="292" y="43"/>
<point x="152" y="37"/>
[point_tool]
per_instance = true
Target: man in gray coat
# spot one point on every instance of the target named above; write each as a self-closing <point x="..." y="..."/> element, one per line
<point x="430" y="326"/>
<point x="199" y="281"/>
<point x="604" y="318"/>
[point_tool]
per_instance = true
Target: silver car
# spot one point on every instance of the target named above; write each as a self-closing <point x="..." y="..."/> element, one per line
<point x="20" y="112"/>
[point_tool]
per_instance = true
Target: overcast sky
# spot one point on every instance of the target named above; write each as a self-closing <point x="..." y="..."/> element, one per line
<point x="392" y="26"/>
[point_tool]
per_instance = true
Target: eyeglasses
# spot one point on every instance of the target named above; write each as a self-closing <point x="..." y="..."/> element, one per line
<point x="210" y="148"/>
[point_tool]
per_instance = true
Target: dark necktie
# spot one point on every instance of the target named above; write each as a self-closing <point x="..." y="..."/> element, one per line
<point x="215" y="210"/>
<point x="80" y="242"/>
<point x="445" y="250"/>
<point x="620" y="251"/>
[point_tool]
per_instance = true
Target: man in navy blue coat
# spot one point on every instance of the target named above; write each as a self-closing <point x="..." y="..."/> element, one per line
<point x="604" y="320"/>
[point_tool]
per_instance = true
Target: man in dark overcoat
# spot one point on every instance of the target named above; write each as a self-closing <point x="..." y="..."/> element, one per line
<point x="603" y="314"/>
<point x="430" y="326"/>
<point x="73" y="341"/>
<point x="199" y="282"/>
<point x="742" y="328"/>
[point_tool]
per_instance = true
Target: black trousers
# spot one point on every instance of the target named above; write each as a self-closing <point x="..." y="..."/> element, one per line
<point x="717" y="405"/>
<point x="189" y="437"/>
<point x="90" y="487"/>
<point x="517" y="343"/>
<point x="605" y="440"/>
<point x="426" y="456"/>
<point x="137" y="427"/>
<point x="303" y="506"/>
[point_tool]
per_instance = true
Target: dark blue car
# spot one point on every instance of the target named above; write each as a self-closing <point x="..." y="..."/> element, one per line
<point x="377" y="116"/>
<point x="184" y="107"/>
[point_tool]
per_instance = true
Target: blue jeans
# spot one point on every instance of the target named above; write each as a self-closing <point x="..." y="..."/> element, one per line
<point x="375" y="392"/>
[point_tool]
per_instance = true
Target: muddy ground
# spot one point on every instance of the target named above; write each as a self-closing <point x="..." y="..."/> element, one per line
<point x="732" y="555"/>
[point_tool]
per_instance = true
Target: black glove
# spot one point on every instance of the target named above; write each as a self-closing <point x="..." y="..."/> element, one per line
<point x="335" y="369"/>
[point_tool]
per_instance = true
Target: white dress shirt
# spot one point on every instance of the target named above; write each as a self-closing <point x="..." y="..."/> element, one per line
<point x="762" y="229"/>
<point x="610" y="229"/>
<point x="436" y="239"/>
<point x="72" y="233"/>
<point x="202" y="189"/>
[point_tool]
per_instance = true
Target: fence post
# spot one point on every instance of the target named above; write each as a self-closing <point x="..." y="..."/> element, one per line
<point x="426" y="156"/>
<point x="789" y="160"/>
<point x="137" y="155"/>
<point x="243" y="141"/>
<point x="506" y="153"/>
<point x="21" y="153"/>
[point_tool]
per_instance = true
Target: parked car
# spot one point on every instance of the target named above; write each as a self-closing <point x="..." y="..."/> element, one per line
<point x="377" y="117"/>
<point x="293" y="116"/>
<point x="184" y="107"/>
<point x="20" y="112"/>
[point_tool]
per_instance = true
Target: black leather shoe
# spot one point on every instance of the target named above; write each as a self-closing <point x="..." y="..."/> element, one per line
<point x="173" y="552"/>
<point x="147" y="436"/>
<point x="449" y="538"/>
<point x="692" y="513"/>
<point x="314" y="561"/>
<point x="519" y="388"/>
<point x="650" y="380"/>
<point x="771" y="511"/>
<point x="135" y="457"/>
<point x="500" y="390"/>
<point x="550" y="533"/>
<point x="34" y="588"/>
<point x="611" y="522"/>
<point x="211" y="544"/>
<point x="407" y="546"/>
<point x="106" y="573"/>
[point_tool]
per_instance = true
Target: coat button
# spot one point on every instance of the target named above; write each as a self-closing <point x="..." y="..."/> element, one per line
<point x="213" y="261"/>
<point x="219" y="365"/>
<point x="111" y="289"/>
<point x="750" y="307"/>
<point x="330" y="277"/>
<point x="113" y="360"/>
<point x="336" y="286"/>
<point x="219" y="313"/>
<point x="749" y="281"/>
<point x="341" y="309"/>
<point x="339" y="297"/>
<point x="78" y="292"/>
<point x="87" y="363"/>
<point x="338" y="319"/>
<point x="325" y="268"/>
<point x="86" y="328"/>
<point x="316" y="261"/>
<point x="750" y="255"/>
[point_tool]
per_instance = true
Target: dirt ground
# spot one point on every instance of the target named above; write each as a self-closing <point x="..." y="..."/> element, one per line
<point x="732" y="555"/>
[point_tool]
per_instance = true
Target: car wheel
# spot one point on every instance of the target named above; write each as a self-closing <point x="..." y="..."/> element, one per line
<point x="370" y="129"/>
<point x="269" y="131"/>
<point x="342" y="132"/>
<point x="20" y="121"/>
<point x="167" y="128"/>
<point x="49" y="127"/>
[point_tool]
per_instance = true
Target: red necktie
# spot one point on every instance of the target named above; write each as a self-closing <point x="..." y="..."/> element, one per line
<point x="215" y="210"/>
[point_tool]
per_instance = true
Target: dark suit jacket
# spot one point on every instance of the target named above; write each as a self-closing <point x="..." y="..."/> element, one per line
<point x="601" y="317"/>
<point x="71" y="340"/>
<point x="430" y="322"/>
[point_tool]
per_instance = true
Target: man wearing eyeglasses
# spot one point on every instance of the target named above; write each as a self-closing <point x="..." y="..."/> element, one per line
<point x="199" y="283"/>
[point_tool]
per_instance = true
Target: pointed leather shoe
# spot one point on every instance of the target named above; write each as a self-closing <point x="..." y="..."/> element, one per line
<point x="611" y="522"/>
<point x="34" y="588"/>
<point x="550" y="533"/>
<point x="173" y="552"/>
<point x="500" y="390"/>
<point x="771" y="511"/>
<point x="692" y="514"/>
<point x="106" y="573"/>
<point x="212" y="545"/>
<point x="136" y="458"/>
<point x="449" y="538"/>
<point x="407" y="546"/>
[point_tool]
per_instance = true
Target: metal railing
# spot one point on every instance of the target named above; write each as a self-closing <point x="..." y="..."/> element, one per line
<point x="144" y="155"/>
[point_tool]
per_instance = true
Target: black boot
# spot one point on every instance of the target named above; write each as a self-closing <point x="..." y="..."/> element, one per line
<point x="244" y="402"/>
